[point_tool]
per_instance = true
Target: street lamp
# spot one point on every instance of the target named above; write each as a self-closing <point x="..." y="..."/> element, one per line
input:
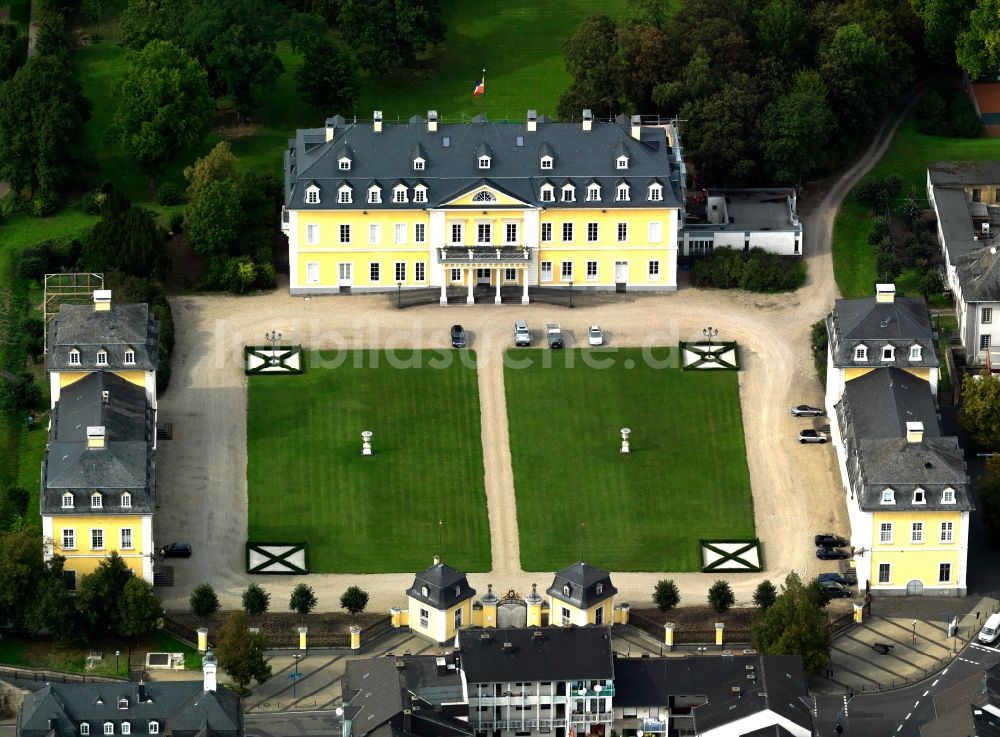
<point x="710" y="333"/>
<point x="295" y="676"/>
<point x="399" y="294"/>
<point x="571" y="295"/>
<point x="274" y="336"/>
<point x="117" y="653"/>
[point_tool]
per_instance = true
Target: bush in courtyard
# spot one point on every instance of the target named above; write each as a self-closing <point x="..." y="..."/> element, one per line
<point x="721" y="597"/>
<point x="755" y="271"/>
<point x="240" y="275"/>
<point x="818" y="339"/>
<point x="354" y="600"/>
<point x="169" y="194"/>
<point x="666" y="595"/>
<point x="303" y="599"/>
<point x="203" y="600"/>
<point x="255" y="600"/>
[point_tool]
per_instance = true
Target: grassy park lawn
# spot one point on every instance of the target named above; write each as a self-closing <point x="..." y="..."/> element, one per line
<point x="578" y="497"/>
<point x="421" y="493"/>
<point x="908" y="156"/>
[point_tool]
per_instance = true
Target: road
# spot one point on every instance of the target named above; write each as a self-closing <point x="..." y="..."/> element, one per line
<point x="293" y="724"/>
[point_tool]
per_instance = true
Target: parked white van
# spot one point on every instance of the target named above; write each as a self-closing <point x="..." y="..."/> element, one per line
<point x="990" y="630"/>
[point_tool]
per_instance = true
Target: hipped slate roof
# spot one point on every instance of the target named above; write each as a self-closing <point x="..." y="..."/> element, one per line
<point x="587" y="584"/>
<point x="536" y="654"/>
<point x="124" y="326"/>
<point x="979" y="274"/>
<point x="445" y="586"/>
<point x="964" y="173"/>
<point x="900" y="323"/>
<point x="880" y="403"/>
<point x="181" y="708"/>
<point x="124" y="413"/>
<point x="386" y="157"/>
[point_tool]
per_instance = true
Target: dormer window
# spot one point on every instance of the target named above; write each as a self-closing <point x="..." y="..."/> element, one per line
<point x="312" y="196"/>
<point x="374" y="195"/>
<point x="96" y="501"/>
<point x="545" y="162"/>
<point x="129" y="357"/>
<point x="622" y="162"/>
<point x="861" y="353"/>
<point x="566" y="590"/>
<point x="888" y="497"/>
<point x="102" y="357"/>
<point x="547" y="195"/>
<point x="888" y="353"/>
<point x="344" y="163"/>
<point x="74" y="357"/>
<point x="458" y="590"/>
<point x="424" y="591"/>
<point x="126" y="500"/>
<point x="399" y="194"/>
<point x="126" y="728"/>
<point x="154" y="727"/>
<point x="948" y="496"/>
<point x="484" y="162"/>
<point x="344" y="196"/>
<point x="123" y="703"/>
<point x="599" y="589"/>
<point x="594" y="193"/>
<point x="418" y="164"/>
<point x="918" y="497"/>
<point x="915" y="352"/>
<point x="67" y="501"/>
<point x="420" y="193"/>
<point x="569" y="193"/>
<point x="622" y="193"/>
<point x="655" y="192"/>
<point x="109" y="728"/>
<point x="84" y="729"/>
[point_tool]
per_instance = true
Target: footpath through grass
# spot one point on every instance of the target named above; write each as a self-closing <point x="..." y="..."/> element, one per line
<point x="908" y="156"/>
<point x="578" y="497"/>
<point x="422" y="491"/>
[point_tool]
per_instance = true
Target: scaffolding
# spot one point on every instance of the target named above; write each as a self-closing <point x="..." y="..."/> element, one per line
<point x="67" y="289"/>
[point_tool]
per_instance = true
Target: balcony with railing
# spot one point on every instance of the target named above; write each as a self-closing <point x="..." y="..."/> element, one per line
<point x="484" y="255"/>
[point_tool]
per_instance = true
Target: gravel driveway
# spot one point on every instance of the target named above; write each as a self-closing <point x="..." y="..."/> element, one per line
<point x="796" y="489"/>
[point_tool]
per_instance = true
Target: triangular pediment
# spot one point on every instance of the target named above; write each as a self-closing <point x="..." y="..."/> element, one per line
<point x="484" y="194"/>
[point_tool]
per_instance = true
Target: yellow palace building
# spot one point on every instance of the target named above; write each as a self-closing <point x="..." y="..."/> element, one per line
<point x="98" y="475"/>
<point x="378" y="206"/>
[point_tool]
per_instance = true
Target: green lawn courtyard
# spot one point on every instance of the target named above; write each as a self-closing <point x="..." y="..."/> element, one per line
<point x="578" y="497"/>
<point x="421" y="493"/>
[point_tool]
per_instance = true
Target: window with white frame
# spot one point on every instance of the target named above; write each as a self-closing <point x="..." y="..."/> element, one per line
<point x="915" y="353"/>
<point x="944" y="573"/>
<point x="888" y="496"/>
<point x="885" y="533"/>
<point x="484" y="233"/>
<point x="456" y="233"/>
<point x="126" y="538"/>
<point x="312" y="234"/>
<point x="345" y="233"/>
<point x="84" y="729"/>
<point x="622" y="193"/>
<point x="484" y="162"/>
<point x="420" y="271"/>
<point x="344" y="195"/>
<point x="984" y="342"/>
<point x="129" y="356"/>
<point x="564" y="617"/>
<point x="917" y="532"/>
<point x="622" y="232"/>
<point x="374" y="196"/>
<point x="399" y="233"/>
<point x="591" y="232"/>
<point x="96" y="501"/>
<point x="545" y="162"/>
<point x="374" y="233"/>
<point x="312" y="272"/>
<point x="399" y="195"/>
<point x="655" y="232"/>
<point x="654" y="270"/>
<point x="622" y="162"/>
<point x="97" y="539"/>
<point x="591" y="270"/>
<point x="888" y="353"/>
<point x="126" y="500"/>
<point x="655" y="192"/>
<point x="569" y="193"/>
<point x="567" y="232"/>
<point x="102" y="357"/>
<point x="546" y="270"/>
<point x="400" y="271"/>
<point x="458" y="618"/>
<point x="948" y="496"/>
<point x="593" y="193"/>
<point x="860" y="353"/>
<point x="312" y="196"/>
<point x="126" y="728"/>
<point x="456" y="275"/>
<point x="567" y="270"/>
<point x="424" y="619"/>
<point x="69" y="539"/>
<point x="548" y="193"/>
<point x="420" y="193"/>
<point x="109" y="728"/>
<point x="74" y="357"/>
<point x="418" y="164"/>
<point x="985" y="315"/>
<point x="510" y="233"/>
<point x="154" y="727"/>
<point x="546" y="232"/>
<point x="67" y="501"/>
<point x="374" y="271"/>
<point x="344" y="164"/>
<point x="947" y="532"/>
<point x="884" y="572"/>
<point x="919" y="497"/>
<point x="419" y="232"/>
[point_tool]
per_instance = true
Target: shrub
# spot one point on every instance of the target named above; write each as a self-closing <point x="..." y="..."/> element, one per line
<point x="45" y="202"/>
<point x="267" y="278"/>
<point x="203" y="601"/>
<point x="303" y="599"/>
<point x="818" y="339"/>
<point x="19" y="392"/>
<point x="756" y="271"/>
<point x="33" y="336"/>
<point x="240" y="275"/>
<point x="255" y="600"/>
<point x="887" y="266"/>
<point x="918" y="247"/>
<point x="47" y="257"/>
<point x="666" y="595"/>
<point x="169" y="194"/>
<point x="721" y="597"/>
<point x="947" y="111"/>
<point x="879" y="230"/>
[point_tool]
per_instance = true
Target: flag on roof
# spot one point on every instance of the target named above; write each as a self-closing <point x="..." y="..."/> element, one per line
<point x="480" y="87"/>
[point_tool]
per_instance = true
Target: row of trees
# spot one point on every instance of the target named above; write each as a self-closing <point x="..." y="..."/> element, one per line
<point x="204" y="602"/>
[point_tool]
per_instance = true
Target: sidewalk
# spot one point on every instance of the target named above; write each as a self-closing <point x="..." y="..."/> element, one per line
<point x="916" y="633"/>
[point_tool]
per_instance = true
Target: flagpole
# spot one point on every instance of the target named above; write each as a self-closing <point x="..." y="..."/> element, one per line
<point x="484" y="94"/>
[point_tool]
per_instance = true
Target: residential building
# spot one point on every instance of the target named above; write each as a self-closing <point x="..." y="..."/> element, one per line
<point x="581" y="594"/>
<point x="966" y="200"/>
<point x="98" y="478"/>
<point x="906" y="485"/>
<point x="742" y="219"/>
<point x="177" y="708"/>
<point x="379" y="206"/>
<point x="440" y="602"/>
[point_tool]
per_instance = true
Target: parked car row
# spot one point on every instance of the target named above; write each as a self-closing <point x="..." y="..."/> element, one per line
<point x="522" y="335"/>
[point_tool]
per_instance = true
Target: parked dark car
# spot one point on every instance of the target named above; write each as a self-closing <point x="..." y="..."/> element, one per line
<point x="176" y="550"/>
<point x="805" y="410"/>
<point x="457" y="336"/>
<point x="812" y="436"/>
<point x="837" y="578"/>
<point x="828" y="540"/>
<point x="835" y="590"/>
<point x="832" y="554"/>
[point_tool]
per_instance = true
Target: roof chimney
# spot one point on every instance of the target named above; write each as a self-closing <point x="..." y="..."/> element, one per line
<point x="208" y="666"/>
<point x="437" y="560"/>
<point x="637" y="127"/>
<point x="885" y="293"/>
<point x="102" y="300"/>
<point x="377" y="121"/>
<point x="432" y="121"/>
<point x="95" y="436"/>
<point x="105" y="397"/>
<point x="532" y="121"/>
<point x="331" y="128"/>
<point x="914" y="432"/>
<point x="588" y="119"/>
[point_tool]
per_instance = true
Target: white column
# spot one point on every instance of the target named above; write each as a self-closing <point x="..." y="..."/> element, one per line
<point x="444" y="290"/>
<point x="472" y="283"/>
<point x="524" y="286"/>
<point x="499" y="274"/>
